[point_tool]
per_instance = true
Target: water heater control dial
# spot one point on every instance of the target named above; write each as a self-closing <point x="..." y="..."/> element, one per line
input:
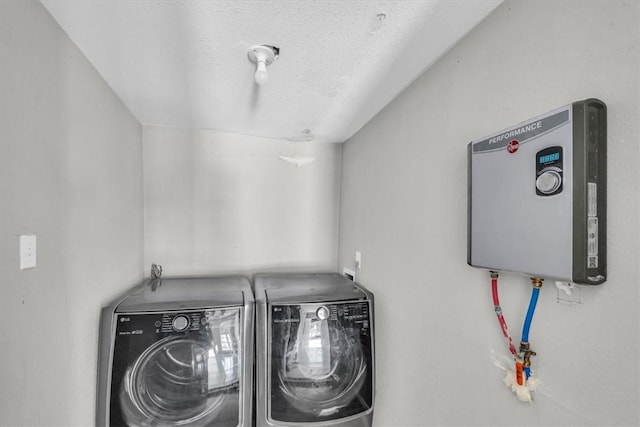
<point x="548" y="182"/>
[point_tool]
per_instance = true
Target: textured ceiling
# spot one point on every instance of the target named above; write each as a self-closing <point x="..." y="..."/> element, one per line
<point x="185" y="64"/>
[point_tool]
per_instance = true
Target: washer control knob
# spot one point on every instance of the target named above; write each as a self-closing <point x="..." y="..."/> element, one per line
<point x="180" y="323"/>
<point x="322" y="313"/>
<point x="548" y="182"/>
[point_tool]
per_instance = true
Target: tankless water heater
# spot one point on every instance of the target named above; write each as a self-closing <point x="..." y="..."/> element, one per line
<point x="537" y="196"/>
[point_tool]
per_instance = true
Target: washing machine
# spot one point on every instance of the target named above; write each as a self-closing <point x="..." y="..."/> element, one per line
<point x="178" y="352"/>
<point x="315" y="361"/>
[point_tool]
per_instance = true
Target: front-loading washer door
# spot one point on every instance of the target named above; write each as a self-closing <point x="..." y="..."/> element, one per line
<point x="321" y="366"/>
<point x="177" y="369"/>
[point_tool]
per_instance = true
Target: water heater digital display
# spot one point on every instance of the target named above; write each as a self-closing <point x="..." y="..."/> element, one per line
<point x="549" y="158"/>
<point x="537" y="196"/>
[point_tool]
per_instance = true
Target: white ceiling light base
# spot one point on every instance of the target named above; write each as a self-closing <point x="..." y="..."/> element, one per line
<point x="263" y="55"/>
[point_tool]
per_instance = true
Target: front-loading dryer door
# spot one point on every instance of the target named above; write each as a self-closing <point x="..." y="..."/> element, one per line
<point x="177" y="368"/>
<point x="321" y="366"/>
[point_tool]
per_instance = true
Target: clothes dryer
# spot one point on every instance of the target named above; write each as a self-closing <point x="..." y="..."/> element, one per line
<point x="315" y="351"/>
<point x="178" y="352"/>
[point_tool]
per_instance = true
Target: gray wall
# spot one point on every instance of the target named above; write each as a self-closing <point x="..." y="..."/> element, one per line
<point x="217" y="202"/>
<point x="70" y="172"/>
<point x="404" y="207"/>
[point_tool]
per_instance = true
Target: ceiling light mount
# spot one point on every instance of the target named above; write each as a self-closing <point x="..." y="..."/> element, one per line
<point x="263" y="55"/>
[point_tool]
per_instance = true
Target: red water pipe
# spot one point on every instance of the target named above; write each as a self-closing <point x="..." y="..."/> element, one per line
<point x="498" y="309"/>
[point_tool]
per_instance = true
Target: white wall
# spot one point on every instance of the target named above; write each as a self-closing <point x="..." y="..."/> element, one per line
<point x="70" y="172"/>
<point x="217" y="203"/>
<point x="404" y="207"/>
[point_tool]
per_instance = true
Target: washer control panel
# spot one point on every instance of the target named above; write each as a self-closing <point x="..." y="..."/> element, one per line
<point x="549" y="171"/>
<point x="180" y="323"/>
<point x="322" y="313"/>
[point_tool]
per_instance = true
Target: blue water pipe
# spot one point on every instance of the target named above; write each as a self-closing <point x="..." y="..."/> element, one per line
<point x="527" y="321"/>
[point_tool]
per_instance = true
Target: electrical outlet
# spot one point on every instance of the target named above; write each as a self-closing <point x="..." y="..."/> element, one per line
<point x="349" y="274"/>
<point x="27" y="251"/>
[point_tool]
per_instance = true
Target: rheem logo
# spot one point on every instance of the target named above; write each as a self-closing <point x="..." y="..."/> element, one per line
<point x="513" y="145"/>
